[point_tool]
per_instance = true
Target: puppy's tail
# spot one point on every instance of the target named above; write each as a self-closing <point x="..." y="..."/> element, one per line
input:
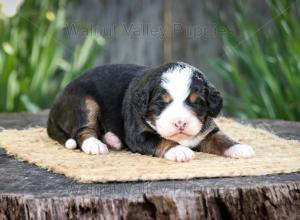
<point x="58" y="134"/>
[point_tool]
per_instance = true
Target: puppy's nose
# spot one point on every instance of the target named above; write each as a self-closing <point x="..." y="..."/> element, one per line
<point x="180" y="125"/>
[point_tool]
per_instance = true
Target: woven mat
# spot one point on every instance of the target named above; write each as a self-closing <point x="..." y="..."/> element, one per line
<point x="273" y="155"/>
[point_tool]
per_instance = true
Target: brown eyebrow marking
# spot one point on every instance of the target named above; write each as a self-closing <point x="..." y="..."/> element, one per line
<point x="193" y="97"/>
<point x="166" y="97"/>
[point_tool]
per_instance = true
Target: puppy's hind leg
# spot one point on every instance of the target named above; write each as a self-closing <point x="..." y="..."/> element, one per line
<point x="89" y="129"/>
<point x="113" y="141"/>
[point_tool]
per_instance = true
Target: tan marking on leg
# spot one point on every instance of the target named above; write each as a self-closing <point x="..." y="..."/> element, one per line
<point x="216" y="143"/>
<point x="164" y="146"/>
<point x="93" y="112"/>
<point x="92" y="125"/>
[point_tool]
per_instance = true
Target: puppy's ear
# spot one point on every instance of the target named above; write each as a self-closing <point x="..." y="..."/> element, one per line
<point x="140" y="101"/>
<point x="214" y="100"/>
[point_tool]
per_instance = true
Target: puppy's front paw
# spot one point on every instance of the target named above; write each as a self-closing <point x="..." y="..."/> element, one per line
<point x="94" y="146"/>
<point x="179" y="154"/>
<point x="240" y="151"/>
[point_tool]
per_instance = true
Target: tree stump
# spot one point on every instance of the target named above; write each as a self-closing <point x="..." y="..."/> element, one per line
<point x="29" y="192"/>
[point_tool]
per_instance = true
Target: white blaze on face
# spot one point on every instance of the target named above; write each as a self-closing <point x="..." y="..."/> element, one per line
<point x="177" y="83"/>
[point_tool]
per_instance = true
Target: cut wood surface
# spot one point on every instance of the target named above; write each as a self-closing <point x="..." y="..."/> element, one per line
<point x="29" y="192"/>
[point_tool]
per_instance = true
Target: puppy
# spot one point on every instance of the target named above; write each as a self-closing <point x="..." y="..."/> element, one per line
<point x="166" y="111"/>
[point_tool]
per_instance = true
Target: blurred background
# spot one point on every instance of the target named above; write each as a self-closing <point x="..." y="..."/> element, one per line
<point x="249" y="49"/>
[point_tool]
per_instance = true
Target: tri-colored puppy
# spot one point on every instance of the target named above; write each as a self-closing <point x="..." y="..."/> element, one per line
<point x="165" y="111"/>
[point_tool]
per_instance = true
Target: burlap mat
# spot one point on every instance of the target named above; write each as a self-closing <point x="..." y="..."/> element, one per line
<point x="273" y="155"/>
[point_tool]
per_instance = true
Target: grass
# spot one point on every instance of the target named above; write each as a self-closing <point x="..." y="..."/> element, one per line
<point x="33" y="67"/>
<point x="262" y="63"/>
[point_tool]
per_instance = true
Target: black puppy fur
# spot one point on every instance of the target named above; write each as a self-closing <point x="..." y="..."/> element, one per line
<point x="120" y="98"/>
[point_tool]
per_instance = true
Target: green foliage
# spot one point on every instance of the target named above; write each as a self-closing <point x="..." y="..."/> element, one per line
<point x="262" y="63"/>
<point x="32" y="50"/>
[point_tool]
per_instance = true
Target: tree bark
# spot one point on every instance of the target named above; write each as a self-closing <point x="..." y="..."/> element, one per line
<point x="264" y="202"/>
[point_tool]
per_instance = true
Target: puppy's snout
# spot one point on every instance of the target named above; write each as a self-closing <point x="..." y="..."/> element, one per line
<point x="180" y="124"/>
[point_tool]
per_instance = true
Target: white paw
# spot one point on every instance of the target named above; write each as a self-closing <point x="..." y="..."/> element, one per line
<point x="179" y="153"/>
<point x="240" y="151"/>
<point x="113" y="141"/>
<point x="70" y="144"/>
<point x="94" y="146"/>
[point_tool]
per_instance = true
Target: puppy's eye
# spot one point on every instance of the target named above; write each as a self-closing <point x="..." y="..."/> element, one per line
<point x="166" y="98"/>
<point x="193" y="97"/>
